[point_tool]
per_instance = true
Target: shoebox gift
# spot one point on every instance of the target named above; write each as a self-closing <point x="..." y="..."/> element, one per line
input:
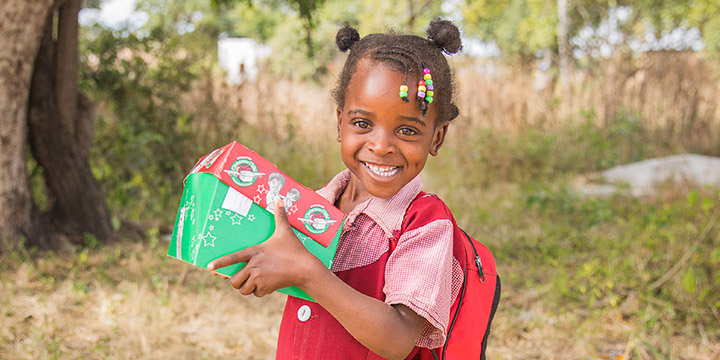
<point x="227" y="204"/>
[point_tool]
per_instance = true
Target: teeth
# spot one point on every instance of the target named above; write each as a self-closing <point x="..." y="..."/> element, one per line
<point x="382" y="170"/>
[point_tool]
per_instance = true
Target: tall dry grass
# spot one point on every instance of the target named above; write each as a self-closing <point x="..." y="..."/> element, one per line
<point x="673" y="91"/>
<point x="670" y="96"/>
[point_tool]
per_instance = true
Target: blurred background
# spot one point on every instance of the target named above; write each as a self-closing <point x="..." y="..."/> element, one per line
<point x="107" y="104"/>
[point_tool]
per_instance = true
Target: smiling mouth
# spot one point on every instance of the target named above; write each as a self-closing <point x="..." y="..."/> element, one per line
<point x="382" y="171"/>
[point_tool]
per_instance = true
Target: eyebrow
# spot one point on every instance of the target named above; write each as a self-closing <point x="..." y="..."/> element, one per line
<point x="414" y="119"/>
<point x="406" y="118"/>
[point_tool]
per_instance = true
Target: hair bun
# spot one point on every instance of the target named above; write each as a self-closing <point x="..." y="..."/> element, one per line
<point x="346" y="37"/>
<point x="445" y="35"/>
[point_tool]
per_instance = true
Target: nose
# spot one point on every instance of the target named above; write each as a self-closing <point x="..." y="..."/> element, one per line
<point x="381" y="142"/>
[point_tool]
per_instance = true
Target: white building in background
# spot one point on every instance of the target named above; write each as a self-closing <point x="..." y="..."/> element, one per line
<point x="239" y="57"/>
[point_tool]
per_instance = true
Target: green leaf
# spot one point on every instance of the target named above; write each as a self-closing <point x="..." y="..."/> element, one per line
<point x="707" y="204"/>
<point x="715" y="255"/>
<point x="689" y="282"/>
<point x="692" y="198"/>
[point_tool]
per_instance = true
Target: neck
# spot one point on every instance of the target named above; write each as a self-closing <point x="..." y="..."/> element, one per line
<point x="354" y="194"/>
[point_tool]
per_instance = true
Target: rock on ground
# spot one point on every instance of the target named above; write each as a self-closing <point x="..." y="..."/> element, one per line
<point x="643" y="177"/>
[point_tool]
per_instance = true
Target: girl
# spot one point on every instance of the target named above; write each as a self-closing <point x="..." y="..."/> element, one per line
<point x="394" y="277"/>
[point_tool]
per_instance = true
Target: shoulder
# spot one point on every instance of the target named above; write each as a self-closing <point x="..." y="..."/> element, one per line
<point x="426" y="209"/>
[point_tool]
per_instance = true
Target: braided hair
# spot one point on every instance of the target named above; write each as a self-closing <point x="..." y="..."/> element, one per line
<point x="405" y="53"/>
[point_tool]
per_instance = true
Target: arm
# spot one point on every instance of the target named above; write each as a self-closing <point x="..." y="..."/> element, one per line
<point x="388" y="330"/>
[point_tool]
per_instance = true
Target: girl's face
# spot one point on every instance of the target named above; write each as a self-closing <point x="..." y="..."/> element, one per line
<point x="385" y="141"/>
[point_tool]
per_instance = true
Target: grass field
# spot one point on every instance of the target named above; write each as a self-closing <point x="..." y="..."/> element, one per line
<point x="576" y="285"/>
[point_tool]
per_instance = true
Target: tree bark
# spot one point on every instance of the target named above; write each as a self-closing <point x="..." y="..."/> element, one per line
<point x="21" y="25"/>
<point x="78" y="204"/>
<point x="66" y="93"/>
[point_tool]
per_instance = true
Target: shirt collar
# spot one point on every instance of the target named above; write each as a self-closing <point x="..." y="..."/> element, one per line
<point x="388" y="213"/>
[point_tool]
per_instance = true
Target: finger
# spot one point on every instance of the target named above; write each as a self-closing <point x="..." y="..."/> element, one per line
<point x="259" y="293"/>
<point x="231" y="259"/>
<point x="281" y="220"/>
<point x="220" y="275"/>
<point x="280" y="214"/>
<point x="248" y="287"/>
<point x="240" y="278"/>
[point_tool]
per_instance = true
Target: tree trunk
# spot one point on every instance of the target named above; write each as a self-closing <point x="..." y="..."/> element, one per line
<point x="21" y="26"/>
<point x="61" y="145"/>
<point x="66" y="93"/>
<point x="40" y="103"/>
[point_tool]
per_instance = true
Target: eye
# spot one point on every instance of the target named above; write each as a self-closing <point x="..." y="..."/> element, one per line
<point x="363" y="124"/>
<point x="407" y="131"/>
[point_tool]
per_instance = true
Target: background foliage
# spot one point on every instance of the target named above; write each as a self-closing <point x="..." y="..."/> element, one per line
<point x="583" y="276"/>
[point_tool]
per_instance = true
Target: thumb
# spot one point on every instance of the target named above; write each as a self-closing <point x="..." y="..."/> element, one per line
<point x="281" y="219"/>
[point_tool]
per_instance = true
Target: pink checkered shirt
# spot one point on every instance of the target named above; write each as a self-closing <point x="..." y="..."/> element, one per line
<point x="421" y="272"/>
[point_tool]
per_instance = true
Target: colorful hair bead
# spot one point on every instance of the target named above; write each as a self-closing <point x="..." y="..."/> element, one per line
<point x="425" y="90"/>
<point x="404" y="92"/>
<point x="404" y="88"/>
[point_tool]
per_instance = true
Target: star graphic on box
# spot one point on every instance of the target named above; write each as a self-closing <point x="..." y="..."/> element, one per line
<point x="251" y="218"/>
<point x="257" y="199"/>
<point x="261" y="189"/>
<point x="218" y="214"/>
<point x="208" y="239"/>
<point x="236" y="219"/>
<point x="292" y="209"/>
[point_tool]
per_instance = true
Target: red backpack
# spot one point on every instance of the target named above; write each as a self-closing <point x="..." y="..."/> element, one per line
<point x="476" y="303"/>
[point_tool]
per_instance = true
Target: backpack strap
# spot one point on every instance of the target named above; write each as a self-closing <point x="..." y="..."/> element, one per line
<point x="470" y="255"/>
<point x="411" y="214"/>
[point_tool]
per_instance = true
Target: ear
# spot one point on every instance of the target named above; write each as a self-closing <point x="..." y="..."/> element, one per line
<point x="438" y="137"/>
<point x="339" y="122"/>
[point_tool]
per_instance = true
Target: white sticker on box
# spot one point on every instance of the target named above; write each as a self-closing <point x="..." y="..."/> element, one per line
<point x="237" y="202"/>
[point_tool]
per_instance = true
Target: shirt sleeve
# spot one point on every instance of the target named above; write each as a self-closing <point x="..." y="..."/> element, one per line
<point x="422" y="274"/>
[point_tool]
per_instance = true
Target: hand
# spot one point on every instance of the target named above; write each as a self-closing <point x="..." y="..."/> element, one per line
<point x="279" y="262"/>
